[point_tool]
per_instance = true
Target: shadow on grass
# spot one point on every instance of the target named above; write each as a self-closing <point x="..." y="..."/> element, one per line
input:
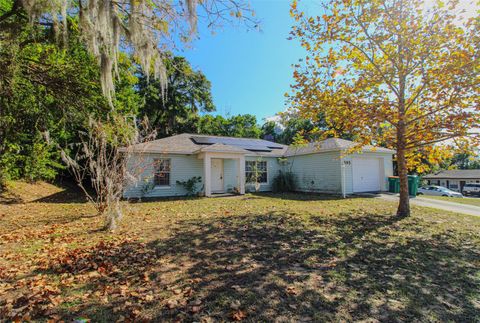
<point x="7" y="198"/>
<point x="70" y="194"/>
<point x="278" y="267"/>
<point x="310" y="196"/>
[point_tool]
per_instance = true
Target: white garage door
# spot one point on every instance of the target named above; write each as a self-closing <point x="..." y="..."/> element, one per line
<point x="366" y="174"/>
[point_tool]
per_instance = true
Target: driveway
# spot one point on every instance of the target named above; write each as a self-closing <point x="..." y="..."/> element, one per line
<point x="437" y="204"/>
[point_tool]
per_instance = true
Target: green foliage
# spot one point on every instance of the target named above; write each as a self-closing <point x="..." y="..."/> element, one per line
<point x="31" y="161"/>
<point x="48" y="89"/>
<point x="190" y="185"/>
<point x="236" y="126"/>
<point x="187" y="94"/>
<point x="284" y="182"/>
<point x="147" y="186"/>
<point x="40" y="162"/>
<point x="466" y="161"/>
<point x="291" y="124"/>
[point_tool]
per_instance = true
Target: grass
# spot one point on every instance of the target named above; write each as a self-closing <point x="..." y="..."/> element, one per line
<point x="468" y="201"/>
<point x="288" y="258"/>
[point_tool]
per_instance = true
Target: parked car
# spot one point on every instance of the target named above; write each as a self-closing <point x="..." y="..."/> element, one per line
<point x="438" y="191"/>
<point x="471" y="189"/>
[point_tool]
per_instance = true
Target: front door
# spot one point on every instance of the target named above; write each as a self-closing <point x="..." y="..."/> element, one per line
<point x="217" y="176"/>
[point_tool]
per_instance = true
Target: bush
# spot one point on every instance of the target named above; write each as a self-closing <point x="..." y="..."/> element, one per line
<point x="284" y="182"/>
<point x="190" y="185"/>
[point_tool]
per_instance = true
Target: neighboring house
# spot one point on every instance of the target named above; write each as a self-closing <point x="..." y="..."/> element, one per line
<point x="454" y="179"/>
<point x="224" y="164"/>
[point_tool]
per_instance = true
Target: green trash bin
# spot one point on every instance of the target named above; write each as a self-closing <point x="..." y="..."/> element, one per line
<point x="413" y="181"/>
<point x="393" y="184"/>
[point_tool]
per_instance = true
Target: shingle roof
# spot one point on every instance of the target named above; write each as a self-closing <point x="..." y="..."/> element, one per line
<point x="456" y="174"/>
<point x="331" y="144"/>
<point x="223" y="149"/>
<point x="185" y="144"/>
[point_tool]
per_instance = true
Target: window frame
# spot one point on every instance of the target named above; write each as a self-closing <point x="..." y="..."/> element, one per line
<point x="156" y="172"/>
<point x="265" y="172"/>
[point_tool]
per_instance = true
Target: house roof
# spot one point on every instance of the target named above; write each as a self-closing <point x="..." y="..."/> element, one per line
<point x="455" y="174"/>
<point x="331" y="144"/>
<point x="194" y="143"/>
<point x="223" y="149"/>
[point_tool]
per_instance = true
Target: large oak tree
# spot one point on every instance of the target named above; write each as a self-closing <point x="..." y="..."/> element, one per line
<point x="149" y="28"/>
<point x="400" y="73"/>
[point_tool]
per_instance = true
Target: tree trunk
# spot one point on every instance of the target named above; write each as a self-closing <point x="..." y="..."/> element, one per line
<point x="404" y="204"/>
<point x="112" y="216"/>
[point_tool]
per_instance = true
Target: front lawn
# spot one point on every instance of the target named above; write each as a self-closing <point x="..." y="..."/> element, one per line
<point x="285" y="258"/>
<point x="469" y="201"/>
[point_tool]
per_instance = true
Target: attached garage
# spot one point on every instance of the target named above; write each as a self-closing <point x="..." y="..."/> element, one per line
<point x="328" y="167"/>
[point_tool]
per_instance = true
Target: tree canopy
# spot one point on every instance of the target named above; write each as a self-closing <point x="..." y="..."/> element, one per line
<point x="148" y="27"/>
<point x="188" y="93"/>
<point x="394" y="73"/>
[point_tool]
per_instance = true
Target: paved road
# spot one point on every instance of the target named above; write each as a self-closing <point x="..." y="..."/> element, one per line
<point x="437" y="204"/>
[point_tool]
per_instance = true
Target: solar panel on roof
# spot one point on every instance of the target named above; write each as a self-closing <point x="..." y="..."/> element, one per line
<point x="248" y="144"/>
<point x="202" y="140"/>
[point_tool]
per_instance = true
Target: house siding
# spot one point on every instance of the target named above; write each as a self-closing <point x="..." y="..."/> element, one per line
<point x="385" y="164"/>
<point x="320" y="172"/>
<point x="183" y="167"/>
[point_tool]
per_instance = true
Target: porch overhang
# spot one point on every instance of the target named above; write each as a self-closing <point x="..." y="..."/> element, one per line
<point x="207" y="157"/>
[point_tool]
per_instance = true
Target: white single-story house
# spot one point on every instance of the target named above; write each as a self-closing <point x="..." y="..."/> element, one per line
<point x="226" y="163"/>
<point x="454" y="179"/>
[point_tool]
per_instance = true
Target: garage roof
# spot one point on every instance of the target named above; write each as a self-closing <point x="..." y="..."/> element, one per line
<point x="332" y="144"/>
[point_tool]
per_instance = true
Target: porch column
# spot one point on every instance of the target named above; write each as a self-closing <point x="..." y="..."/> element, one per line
<point x="241" y="174"/>
<point x="207" y="177"/>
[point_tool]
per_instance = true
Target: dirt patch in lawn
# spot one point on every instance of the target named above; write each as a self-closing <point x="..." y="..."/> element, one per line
<point x="252" y="258"/>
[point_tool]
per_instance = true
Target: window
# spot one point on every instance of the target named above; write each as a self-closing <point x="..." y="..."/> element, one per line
<point x="256" y="171"/>
<point x="162" y="172"/>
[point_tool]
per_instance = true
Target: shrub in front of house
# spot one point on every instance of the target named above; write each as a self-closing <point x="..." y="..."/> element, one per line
<point x="284" y="182"/>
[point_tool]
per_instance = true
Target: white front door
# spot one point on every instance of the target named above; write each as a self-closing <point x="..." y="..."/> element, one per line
<point x="366" y="174"/>
<point x="217" y="176"/>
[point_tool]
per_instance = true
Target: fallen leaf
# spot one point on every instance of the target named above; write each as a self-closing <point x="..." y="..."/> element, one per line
<point x="238" y="315"/>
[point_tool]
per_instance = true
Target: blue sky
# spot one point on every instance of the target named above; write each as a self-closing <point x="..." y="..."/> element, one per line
<point x="250" y="70"/>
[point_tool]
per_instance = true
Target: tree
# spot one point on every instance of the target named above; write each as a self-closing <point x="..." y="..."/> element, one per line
<point x="290" y="124"/>
<point x="188" y="93"/>
<point x="46" y="89"/>
<point x="104" y="159"/>
<point x="392" y="72"/>
<point x="466" y="161"/>
<point x="271" y="131"/>
<point x="145" y="26"/>
<point x="242" y="125"/>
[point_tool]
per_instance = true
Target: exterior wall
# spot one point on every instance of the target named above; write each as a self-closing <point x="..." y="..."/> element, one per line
<point x="273" y="167"/>
<point x="320" y="172"/>
<point x="386" y="169"/>
<point x="183" y="167"/>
